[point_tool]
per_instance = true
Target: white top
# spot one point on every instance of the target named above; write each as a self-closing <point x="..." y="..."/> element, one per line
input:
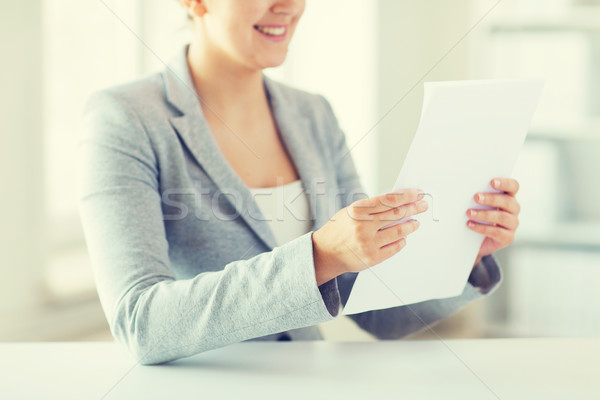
<point x="285" y="208"/>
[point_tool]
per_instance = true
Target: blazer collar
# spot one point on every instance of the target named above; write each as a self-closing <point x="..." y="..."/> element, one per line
<point x="193" y="129"/>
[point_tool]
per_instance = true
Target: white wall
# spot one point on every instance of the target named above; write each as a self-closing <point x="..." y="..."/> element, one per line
<point x="417" y="41"/>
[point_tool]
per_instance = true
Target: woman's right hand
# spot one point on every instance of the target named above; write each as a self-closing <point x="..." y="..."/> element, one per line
<point x="353" y="240"/>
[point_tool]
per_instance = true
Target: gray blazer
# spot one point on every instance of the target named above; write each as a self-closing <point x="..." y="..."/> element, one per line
<point x="183" y="259"/>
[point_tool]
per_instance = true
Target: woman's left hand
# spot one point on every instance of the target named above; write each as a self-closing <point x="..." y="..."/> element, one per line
<point x="502" y="221"/>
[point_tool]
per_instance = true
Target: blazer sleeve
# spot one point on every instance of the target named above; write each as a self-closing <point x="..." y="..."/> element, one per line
<point x="397" y="322"/>
<point x="158" y="317"/>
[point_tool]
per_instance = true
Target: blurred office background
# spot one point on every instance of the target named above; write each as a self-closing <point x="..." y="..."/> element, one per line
<point x="369" y="58"/>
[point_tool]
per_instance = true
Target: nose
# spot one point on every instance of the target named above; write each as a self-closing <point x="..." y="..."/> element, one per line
<point x="288" y="7"/>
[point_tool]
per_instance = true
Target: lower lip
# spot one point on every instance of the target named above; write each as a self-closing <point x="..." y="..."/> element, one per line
<point x="277" y="38"/>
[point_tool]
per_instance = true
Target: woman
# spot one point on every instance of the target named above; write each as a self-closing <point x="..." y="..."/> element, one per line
<point x="177" y="169"/>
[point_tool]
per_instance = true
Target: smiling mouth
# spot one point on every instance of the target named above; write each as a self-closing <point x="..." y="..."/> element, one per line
<point x="271" y="30"/>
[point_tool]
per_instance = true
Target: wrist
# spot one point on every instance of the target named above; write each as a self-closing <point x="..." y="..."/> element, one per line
<point x="326" y="266"/>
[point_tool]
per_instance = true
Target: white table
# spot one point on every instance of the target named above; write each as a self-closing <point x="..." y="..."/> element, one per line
<point x="450" y="369"/>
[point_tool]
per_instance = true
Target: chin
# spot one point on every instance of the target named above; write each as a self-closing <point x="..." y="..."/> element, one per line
<point x="274" y="64"/>
<point x="271" y="62"/>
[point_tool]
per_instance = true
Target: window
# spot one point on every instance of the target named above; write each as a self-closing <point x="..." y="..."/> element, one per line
<point x="89" y="45"/>
<point x="555" y="257"/>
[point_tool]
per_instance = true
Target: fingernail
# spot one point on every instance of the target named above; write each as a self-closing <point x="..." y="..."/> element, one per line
<point x="481" y="197"/>
<point x="496" y="183"/>
<point x="473" y="213"/>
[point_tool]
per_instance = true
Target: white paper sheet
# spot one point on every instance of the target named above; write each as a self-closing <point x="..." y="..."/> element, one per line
<point x="469" y="133"/>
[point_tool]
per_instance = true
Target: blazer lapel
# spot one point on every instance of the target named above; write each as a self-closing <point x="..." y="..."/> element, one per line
<point x="193" y="129"/>
<point x="294" y="129"/>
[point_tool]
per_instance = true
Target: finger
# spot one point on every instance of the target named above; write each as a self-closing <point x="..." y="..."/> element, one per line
<point x="499" y="200"/>
<point x="507" y="185"/>
<point x="386" y="201"/>
<point x="499" y="234"/>
<point x="393" y="233"/>
<point x="396" y="214"/>
<point x="498" y="217"/>
<point x="390" y="249"/>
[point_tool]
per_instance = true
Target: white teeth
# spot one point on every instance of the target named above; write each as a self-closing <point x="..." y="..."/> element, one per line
<point x="271" y="30"/>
